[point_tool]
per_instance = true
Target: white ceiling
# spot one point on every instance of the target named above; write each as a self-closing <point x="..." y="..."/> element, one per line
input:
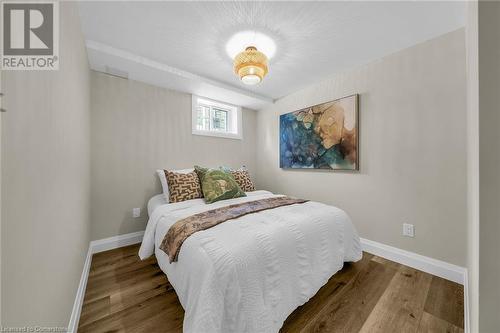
<point x="181" y="45"/>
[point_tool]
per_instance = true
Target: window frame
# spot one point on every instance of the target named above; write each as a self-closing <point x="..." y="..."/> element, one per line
<point x="204" y="119"/>
<point x="233" y="119"/>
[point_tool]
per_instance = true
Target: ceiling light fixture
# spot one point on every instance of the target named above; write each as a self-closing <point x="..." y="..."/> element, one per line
<point x="242" y="39"/>
<point x="251" y="65"/>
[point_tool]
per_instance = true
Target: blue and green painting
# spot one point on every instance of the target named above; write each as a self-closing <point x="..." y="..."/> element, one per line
<point x="323" y="136"/>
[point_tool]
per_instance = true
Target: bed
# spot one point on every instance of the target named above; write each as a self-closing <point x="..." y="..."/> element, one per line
<point x="249" y="274"/>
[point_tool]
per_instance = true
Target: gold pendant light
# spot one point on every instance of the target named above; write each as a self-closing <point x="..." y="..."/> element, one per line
<point x="251" y="65"/>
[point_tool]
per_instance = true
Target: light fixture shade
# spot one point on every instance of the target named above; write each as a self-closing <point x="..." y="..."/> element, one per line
<point x="251" y="65"/>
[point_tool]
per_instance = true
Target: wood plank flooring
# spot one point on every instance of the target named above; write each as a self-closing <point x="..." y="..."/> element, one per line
<point x="125" y="294"/>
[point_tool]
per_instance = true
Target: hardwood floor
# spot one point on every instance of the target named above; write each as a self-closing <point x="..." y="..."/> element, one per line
<point x="125" y="294"/>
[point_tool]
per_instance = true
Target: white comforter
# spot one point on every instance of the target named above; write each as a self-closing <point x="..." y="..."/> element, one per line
<point x="249" y="274"/>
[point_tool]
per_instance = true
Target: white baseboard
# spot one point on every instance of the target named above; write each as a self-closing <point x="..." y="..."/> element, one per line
<point x="429" y="265"/>
<point x="96" y="247"/>
<point x="466" y="303"/>
<point x="80" y="293"/>
<point x="432" y="266"/>
<point x="116" y="242"/>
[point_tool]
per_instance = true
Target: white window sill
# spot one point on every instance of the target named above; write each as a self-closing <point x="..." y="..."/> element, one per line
<point x="219" y="134"/>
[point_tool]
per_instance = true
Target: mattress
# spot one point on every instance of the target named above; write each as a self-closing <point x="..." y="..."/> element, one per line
<point x="250" y="273"/>
<point x="156" y="202"/>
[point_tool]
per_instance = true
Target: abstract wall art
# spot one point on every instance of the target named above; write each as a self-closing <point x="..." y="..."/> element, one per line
<point x="324" y="136"/>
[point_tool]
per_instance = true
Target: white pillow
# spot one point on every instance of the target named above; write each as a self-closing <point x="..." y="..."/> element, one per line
<point x="163" y="180"/>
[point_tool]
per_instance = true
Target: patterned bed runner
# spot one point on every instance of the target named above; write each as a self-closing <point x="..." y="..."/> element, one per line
<point x="184" y="228"/>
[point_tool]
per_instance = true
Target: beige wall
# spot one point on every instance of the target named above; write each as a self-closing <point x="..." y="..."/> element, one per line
<point x="138" y="128"/>
<point x="45" y="189"/>
<point x="489" y="166"/>
<point x="1" y="103"/>
<point x="412" y="149"/>
<point x="472" y="166"/>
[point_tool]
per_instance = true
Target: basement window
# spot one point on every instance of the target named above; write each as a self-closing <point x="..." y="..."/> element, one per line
<point x="213" y="118"/>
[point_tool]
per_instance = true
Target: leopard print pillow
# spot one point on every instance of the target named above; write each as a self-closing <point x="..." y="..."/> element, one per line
<point x="242" y="177"/>
<point x="183" y="186"/>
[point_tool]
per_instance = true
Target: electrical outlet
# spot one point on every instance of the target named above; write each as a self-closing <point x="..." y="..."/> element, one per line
<point x="408" y="230"/>
<point x="136" y="212"/>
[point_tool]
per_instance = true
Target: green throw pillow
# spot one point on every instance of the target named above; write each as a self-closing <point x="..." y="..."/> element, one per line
<point x="218" y="185"/>
<point x="200" y="171"/>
